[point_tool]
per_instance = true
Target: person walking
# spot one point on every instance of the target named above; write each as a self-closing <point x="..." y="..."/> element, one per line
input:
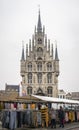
<point x="53" y="118"/>
<point x="61" y="116"/>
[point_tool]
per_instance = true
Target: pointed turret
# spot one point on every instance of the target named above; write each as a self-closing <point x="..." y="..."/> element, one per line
<point x="22" y="69"/>
<point x="56" y="53"/>
<point x="52" y="50"/>
<point x="46" y="41"/>
<point x="49" y="46"/>
<point x="22" y="57"/>
<point x="32" y="42"/>
<point x="29" y="46"/>
<point x="39" y="25"/>
<point x="56" y="62"/>
<point x="26" y="51"/>
<point x="43" y="29"/>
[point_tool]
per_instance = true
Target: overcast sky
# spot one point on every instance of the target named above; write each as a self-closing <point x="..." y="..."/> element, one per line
<point x="17" y="21"/>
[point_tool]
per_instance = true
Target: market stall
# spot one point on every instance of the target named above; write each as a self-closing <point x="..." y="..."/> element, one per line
<point x="33" y="111"/>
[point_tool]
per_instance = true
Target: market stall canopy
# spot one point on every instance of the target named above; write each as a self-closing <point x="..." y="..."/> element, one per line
<point x="56" y="100"/>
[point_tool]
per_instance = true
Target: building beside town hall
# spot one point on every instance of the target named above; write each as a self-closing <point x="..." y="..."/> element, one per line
<point x="39" y="66"/>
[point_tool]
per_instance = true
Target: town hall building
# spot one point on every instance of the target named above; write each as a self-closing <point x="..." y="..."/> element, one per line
<point x="39" y="65"/>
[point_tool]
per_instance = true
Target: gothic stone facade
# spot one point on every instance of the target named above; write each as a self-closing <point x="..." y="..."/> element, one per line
<point x="40" y="68"/>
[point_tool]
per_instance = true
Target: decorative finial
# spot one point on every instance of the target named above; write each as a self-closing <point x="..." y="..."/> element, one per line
<point x="23" y="57"/>
<point x="56" y="43"/>
<point x="22" y="43"/>
<point x="56" y="52"/>
<point x="39" y="8"/>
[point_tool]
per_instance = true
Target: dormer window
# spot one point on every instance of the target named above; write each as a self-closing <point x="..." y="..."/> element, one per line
<point x="39" y="41"/>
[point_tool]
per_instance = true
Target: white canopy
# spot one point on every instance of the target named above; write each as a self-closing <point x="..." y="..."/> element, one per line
<point x="56" y="100"/>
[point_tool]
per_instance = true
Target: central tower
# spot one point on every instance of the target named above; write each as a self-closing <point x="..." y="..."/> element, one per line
<point x="39" y="68"/>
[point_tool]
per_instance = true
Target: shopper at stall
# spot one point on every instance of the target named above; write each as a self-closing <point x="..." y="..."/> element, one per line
<point x="61" y="116"/>
<point x="53" y="118"/>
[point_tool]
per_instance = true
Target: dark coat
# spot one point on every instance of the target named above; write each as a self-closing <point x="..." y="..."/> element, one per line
<point x="61" y="114"/>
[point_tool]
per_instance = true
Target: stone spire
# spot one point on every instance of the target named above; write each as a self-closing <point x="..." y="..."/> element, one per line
<point x="22" y="57"/>
<point x="52" y="50"/>
<point x="46" y="41"/>
<point x="56" y="53"/>
<point x="49" y="45"/>
<point x="39" y="25"/>
<point x="26" y="51"/>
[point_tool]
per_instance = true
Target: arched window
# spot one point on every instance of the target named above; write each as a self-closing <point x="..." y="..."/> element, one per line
<point x="49" y="90"/>
<point x="39" y="78"/>
<point x="49" y="78"/>
<point x="39" y="51"/>
<point x="29" y="90"/>
<point x="49" y="66"/>
<point x="30" y="78"/>
<point x="39" y="66"/>
<point x="30" y="67"/>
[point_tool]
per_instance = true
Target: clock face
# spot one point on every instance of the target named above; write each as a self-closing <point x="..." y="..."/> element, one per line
<point x="39" y="41"/>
